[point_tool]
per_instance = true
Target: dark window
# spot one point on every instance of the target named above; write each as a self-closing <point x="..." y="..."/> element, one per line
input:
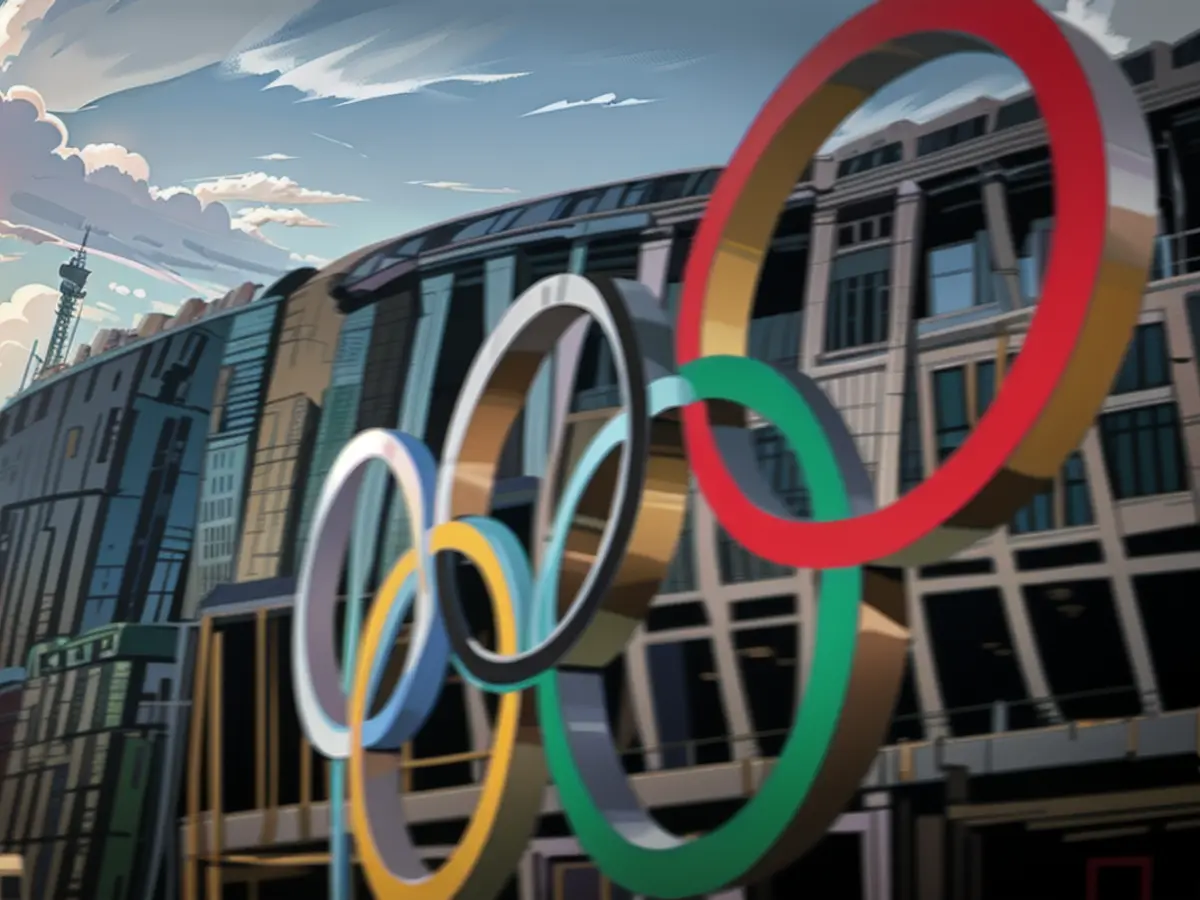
<point x="871" y="159"/>
<point x="476" y="229"/>
<point x="505" y="220"/>
<point x="579" y="205"/>
<point x="1017" y="113"/>
<point x="768" y="658"/>
<point x="944" y="138"/>
<point x="1140" y="68"/>
<point x="10" y="888"/>
<point x="1097" y="684"/>
<point x="1187" y="53"/>
<point x="779" y="467"/>
<point x="1142" y="451"/>
<point x="1146" y="364"/>
<point x="1066" y="503"/>
<point x="1171" y="617"/>
<point x="669" y="188"/>
<point x="687" y="704"/>
<point x="951" y="424"/>
<point x="857" y="311"/>
<point x="610" y="198"/>
<point x="637" y="194"/>
<point x="539" y="213"/>
<point x="706" y="183"/>
<point x="976" y="666"/>
<point x="912" y="460"/>
<point x="985" y="387"/>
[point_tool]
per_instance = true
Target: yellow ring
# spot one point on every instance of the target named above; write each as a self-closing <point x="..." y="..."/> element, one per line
<point x="510" y="798"/>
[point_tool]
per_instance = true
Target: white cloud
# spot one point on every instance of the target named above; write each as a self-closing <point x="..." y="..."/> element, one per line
<point x="259" y="187"/>
<point x="50" y="191"/>
<point x="257" y="216"/>
<point x="605" y="101"/>
<point x="356" y="59"/>
<point x="276" y="157"/>
<point x="115" y="46"/>
<point x="119" y="289"/>
<point x="16" y="20"/>
<point x="161" y="306"/>
<point x="1094" y="18"/>
<point x="463" y="187"/>
<point x="139" y="293"/>
<point x="10" y="257"/>
<point x="28" y="316"/>
<point x="107" y="306"/>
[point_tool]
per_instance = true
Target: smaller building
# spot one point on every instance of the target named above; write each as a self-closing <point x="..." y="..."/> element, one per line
<point x="77" y="797"/>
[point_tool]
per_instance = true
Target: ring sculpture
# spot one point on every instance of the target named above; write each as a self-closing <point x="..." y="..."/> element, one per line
<point x="622" y="510"/>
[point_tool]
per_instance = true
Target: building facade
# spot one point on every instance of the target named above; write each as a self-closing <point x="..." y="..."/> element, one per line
<point x="78" y="795"/>
<point x="1049" y="711"/>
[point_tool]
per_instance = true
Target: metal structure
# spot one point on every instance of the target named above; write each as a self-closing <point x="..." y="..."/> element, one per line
<point x="74" y="274"/>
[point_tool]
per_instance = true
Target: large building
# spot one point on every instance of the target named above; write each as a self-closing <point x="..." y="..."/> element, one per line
<point x="1049" y="712"/>
<point x="1045" y="742"/>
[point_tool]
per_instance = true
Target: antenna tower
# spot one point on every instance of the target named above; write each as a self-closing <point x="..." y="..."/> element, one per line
<point x="74" y="274"/>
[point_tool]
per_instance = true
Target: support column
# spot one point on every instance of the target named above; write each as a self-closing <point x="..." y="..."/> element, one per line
<point x="1183" y="339"/>
<point x="1124" y="596"/>
<point x="195" y="759"/>
<point x="654" y="260"/>
<point x="925" y="674"/>
<point x="216" y="786"/>
<point x="1000" y="241"/>
<point x="906" y="258"/>
<point x="820" y="262"/>
<point x="1016" y="614"/>
<point x="637" y="674"/>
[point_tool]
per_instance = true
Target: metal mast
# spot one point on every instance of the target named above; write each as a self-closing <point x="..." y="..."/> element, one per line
<point x="74" y="274"/>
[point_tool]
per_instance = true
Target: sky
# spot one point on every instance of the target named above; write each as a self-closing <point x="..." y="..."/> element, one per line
<point x="212" y="143"/>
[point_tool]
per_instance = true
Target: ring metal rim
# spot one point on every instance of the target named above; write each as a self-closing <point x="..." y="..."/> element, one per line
<point x="1092" y="291"/>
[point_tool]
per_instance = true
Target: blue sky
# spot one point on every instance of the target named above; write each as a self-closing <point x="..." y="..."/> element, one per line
<point x="369" y="96"/>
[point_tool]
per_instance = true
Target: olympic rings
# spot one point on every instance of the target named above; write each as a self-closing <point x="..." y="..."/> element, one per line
<point x="620" y="514"/>
<point x="1105" y="223"/>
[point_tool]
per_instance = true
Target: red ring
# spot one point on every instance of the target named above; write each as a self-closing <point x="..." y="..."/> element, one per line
<point x="1030" y="38"/>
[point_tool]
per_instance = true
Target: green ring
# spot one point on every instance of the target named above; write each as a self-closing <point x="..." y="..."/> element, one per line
<point x="721" y="858"/>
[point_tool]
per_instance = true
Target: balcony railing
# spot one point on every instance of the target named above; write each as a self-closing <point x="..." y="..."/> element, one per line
<point x="1176" y="254"/>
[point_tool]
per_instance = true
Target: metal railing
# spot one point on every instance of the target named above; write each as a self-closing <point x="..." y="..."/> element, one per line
<point x="1176" y="254"/>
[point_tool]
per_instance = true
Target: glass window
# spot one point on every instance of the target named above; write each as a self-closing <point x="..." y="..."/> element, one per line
<point x="985" y="386"/>
<point x="610" y="198"/>
<point x="1142" y="451"/>
<point x="1077" y="500"/>
<point x="687" y="704"/>
<point x="1145" y="366"/>
<point x="952" y="278"/>
<point x="670" y="188"/>
<point x="476" y="229"/>
<point x="505" y="221"/>
<point x="857" y="311"/>
<point x="539" y="213"/>
<point x="706" y="183"/>
<point x="950" y="410"/>
<point x="637" y="194"/>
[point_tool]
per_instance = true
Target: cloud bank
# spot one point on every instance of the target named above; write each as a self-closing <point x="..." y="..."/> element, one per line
<point x="252" y="219"/>
<point x="276" y="157"/>
<point x="605" y="101"/>
<point x="50" y="192"/>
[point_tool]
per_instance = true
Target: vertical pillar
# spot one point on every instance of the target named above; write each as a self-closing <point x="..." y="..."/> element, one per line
<point x="637" y="675"/>
<point x="1007" y="282"/>
<point x="906" y="256"/>
<point x="820" y="262"/>
<point x="195" y="759"/>
<point x="1124" y="595"/>
<point x="654" y="260"/>
<point x="1183" y="340"/>
<point x="1016" y="613"/>
<point x="216" y="746"/>
<point x="271" y="816"/>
